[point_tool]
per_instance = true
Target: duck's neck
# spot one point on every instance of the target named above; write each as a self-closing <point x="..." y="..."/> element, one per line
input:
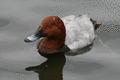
<point x="51" y="45"/>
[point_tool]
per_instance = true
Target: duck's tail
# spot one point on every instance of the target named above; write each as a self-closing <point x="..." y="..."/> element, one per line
<point x="95" y="23"/>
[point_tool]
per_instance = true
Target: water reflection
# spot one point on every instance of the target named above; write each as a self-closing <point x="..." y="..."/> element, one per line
<point x="51" y="69"/>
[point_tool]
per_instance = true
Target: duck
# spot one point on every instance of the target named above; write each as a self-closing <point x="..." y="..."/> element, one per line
<point x="67" y="34"/>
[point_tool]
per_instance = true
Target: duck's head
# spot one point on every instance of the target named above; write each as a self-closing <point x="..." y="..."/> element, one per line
<point x="51" y="27"/>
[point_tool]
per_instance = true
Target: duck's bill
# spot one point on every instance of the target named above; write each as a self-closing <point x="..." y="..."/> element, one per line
<point x="31" y="38"/>
<point x="34" y="37"/>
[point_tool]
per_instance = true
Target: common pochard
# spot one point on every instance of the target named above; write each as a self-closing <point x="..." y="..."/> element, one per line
<point x="75" y="32"/>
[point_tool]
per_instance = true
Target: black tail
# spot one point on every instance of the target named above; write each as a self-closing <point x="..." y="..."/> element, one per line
<point x="96" y="25"/>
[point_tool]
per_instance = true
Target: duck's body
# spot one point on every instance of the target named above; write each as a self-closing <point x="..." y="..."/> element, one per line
<point x="79" y="31"/>
<point x="75" y="32"/>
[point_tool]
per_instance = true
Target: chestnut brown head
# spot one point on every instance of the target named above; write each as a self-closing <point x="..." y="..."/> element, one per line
<point x="50" y="27"/>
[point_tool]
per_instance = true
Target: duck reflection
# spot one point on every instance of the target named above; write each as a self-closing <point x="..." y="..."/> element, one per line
<point x="52" y="68"/>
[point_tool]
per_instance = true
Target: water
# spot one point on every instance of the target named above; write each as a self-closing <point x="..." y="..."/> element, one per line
<point x="21" y="17"/>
